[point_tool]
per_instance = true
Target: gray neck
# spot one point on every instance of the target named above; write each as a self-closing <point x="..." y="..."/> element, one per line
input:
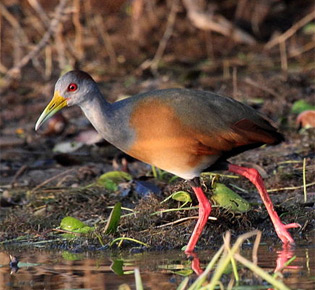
<point x="108" y="121"/>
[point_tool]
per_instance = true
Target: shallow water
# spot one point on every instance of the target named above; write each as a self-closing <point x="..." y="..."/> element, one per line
<point x="40" y="269"/>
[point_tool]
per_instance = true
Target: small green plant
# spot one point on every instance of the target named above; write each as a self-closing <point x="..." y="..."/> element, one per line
<point x="110" y="180"/>
<point x="181" y="196"/>
<point x="160" y="174"/>
<point x="301" y="106"/>
<point x="113" y="220"/>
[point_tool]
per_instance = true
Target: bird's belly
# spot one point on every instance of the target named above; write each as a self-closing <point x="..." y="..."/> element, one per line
<point x="174" y="156"/>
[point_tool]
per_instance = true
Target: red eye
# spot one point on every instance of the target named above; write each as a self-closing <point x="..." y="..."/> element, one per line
<point x="72" y="87"/>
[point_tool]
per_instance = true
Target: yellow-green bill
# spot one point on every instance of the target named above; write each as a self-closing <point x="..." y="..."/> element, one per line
<point x="55" y="105"/>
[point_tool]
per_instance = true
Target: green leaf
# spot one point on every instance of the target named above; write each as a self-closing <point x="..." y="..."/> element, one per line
<point x="182" y="196"/>
<point x="183" y="248"/>
<point x="113" y="220"/>
<point x="117" y="267"/>
<point x="74" y="225"/>
<point x="184" y="272"/>
<point x="84" y="230"/>
<point x="309" y="29"/>
<point x="110" y="180"/>
<point x="70" y="223"/>
<point x="301" y="106"/>
<point x="227" y="198"/>
<point x="110" y="185"/>
<point x="116" y="176"/>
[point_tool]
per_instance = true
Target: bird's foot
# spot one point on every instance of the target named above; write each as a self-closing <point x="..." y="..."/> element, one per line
<point x="195" y="262"/>
<point x="283" y="234"/>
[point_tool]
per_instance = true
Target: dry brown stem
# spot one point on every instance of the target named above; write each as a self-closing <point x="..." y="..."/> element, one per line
<point x="217" y="23"/>
<point x="14" y="23"/>
<point x="78" y="43"/>
<point x="251" y="82"/>
<point x="283" y="56"/>
<point x="40" y="11"/>
<point x="137" y="10"/>
<point x="153" y="64"/>
<point x="166" y="36"/>
<point x="102" y="30"/>
<point x="56" y="177"/>
<point x="291" y="31"/>
<point x="48" y="61"/>
<point x="60" y="46"/>
<point x="298" y="51"/>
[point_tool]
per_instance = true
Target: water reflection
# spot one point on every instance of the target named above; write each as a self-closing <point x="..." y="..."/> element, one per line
<point x="64" y="270"/>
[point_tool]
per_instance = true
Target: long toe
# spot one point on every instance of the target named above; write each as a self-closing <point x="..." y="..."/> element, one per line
<point x="292" y="225"/>
<point x="283" y="234"/>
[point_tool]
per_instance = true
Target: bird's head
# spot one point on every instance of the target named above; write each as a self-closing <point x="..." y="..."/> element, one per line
<point x="73" y="88"/>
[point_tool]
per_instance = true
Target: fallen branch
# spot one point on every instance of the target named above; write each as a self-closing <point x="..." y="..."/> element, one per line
<point x="217" y="23"/>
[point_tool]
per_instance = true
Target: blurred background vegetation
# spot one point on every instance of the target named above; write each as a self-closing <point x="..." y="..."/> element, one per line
<point x="40" y="38"/>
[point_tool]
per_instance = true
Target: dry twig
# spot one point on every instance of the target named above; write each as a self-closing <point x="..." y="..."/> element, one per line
<point x="217" y="23"/>
<point x="298" y="51"/>
<point x="291" y="31"/>
<point x="153" y="64"/>
<point x="52" y="179"/>
<point x="78" y="41"/>
<point x="251" y="82"/>
<point x="283" y="56"/>
<point x="167" y="34"/>
<point x="40" y="11"/>
<point x="98" y="22"/>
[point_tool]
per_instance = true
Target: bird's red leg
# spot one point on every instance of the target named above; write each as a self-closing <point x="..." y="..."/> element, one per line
<point x="254" y="177"/>
<point x="204" y="212"/>
<point x="195" y="263"/>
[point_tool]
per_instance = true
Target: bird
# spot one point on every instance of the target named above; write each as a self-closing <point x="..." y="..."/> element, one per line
<point x="182" y="131"/>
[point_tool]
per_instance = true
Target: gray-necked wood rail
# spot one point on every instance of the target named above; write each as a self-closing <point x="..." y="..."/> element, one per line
<point x="181" y="131"/>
